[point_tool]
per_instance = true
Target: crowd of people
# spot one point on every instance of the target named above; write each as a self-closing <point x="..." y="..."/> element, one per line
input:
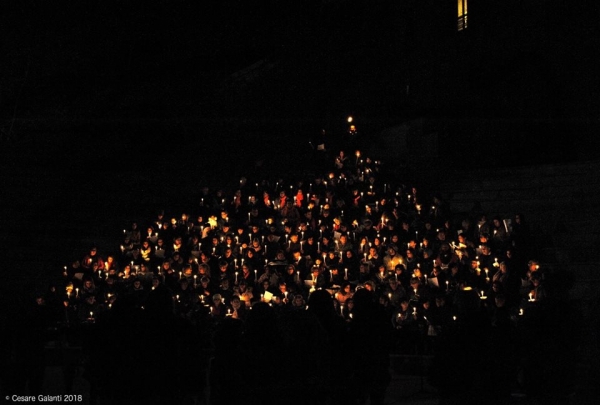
<point x="301" y="288"/>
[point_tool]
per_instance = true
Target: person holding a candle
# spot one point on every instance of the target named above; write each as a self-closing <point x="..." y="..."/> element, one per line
<point x="185" y="296"/>
<point x="245" y="292"/>
<point x="137" y="293"/>
<point x="373" y="258"/>
<point x="92" y="258"/>
<point x="253" y="256"/>
<point x="404" y="323"/>
<point x="417" y="293"/>
<point x="392" y="258"/>
<point x="238" y="309"/>
<point x="500" y="236"/>
<point x="218" y="309"/>
<point x="226" y="291"/>
<point x="394" y="291"/>
<point x="351" y="262"/>
<point x="538" y="293"/>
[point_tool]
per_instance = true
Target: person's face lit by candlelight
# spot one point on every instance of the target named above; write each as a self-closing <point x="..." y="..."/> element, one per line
<point x="298" y="300"/>
<point x="485" y="250"/>
<point x="283" y="288"/>
<point x="236" y="303"/>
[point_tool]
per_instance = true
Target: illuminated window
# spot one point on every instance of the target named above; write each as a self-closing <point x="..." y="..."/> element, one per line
<point x="462" y="14"/>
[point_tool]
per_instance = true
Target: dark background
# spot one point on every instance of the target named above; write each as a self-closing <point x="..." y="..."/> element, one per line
<point x="113" y="110"/>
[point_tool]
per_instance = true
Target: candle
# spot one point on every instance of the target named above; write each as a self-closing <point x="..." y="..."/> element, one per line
<point x="447" y="283"/>
<point x="255" y="275"/>
<point x="77" y="293"/>
<point x="195" y="277"/>
<point x="346" y="272"/>
<point x="236" y="276"/>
